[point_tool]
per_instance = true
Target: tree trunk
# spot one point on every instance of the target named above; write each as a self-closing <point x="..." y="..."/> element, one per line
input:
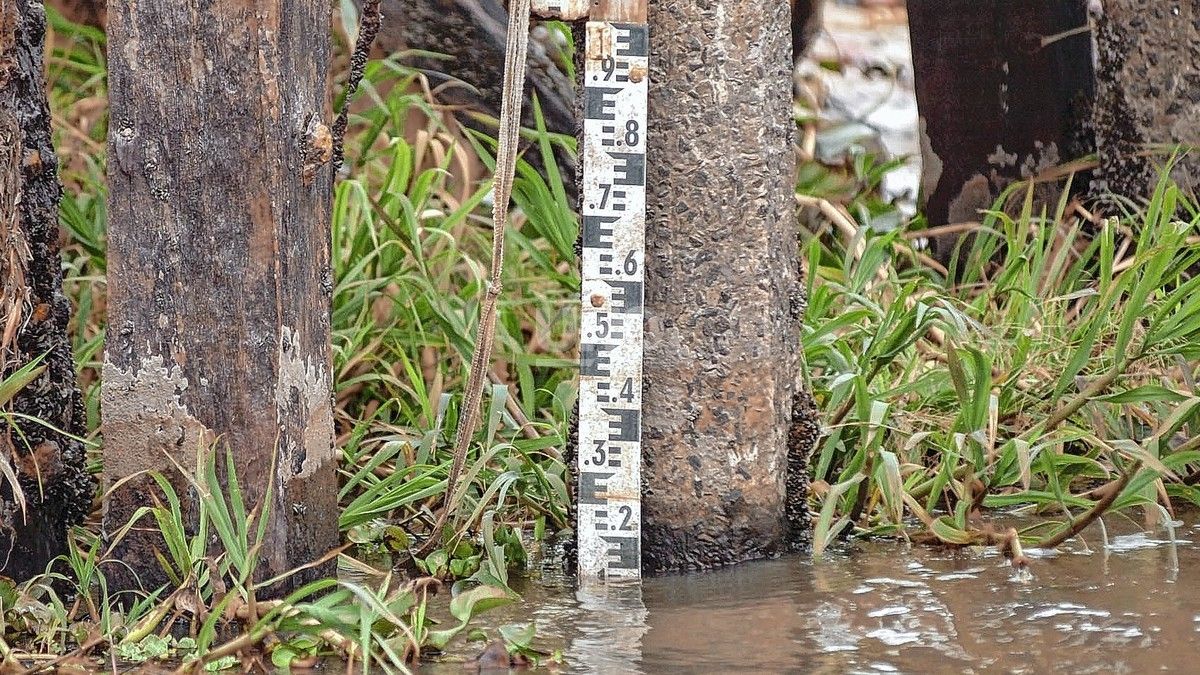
<point x="54" y="484"/>
<point x="996" y="104"/>
<point x="1147" y="92"/>
<point x="219" y="270"/>
<point x="723" y="293"/>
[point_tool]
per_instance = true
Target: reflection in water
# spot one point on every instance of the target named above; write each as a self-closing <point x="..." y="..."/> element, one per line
<point x="1130" y="606"/>
<point x="609" y="631"/>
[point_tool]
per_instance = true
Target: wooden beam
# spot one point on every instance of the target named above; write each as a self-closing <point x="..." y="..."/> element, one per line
<point x="618" y="11"/>
<point x="219" y="264"/>
<point x="1003" y="88"/>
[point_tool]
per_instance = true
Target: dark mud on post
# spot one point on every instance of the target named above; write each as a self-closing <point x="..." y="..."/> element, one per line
<point x="1127" y="607"/>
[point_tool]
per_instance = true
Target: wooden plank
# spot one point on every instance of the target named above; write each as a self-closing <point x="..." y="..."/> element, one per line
<point x="996" y="103"/>
<point x="618" y="11"/>
<point x="219" y="264"/>
<point x="564" y="10"/>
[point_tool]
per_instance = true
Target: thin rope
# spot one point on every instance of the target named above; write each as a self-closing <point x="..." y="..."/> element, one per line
<point x="515" y="49"/>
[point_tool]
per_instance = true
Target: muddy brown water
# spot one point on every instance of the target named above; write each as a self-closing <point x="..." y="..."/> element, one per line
<point x="1131" y="606"/>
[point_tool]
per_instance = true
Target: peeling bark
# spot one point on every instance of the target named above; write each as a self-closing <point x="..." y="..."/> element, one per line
<point x="996" y="104"/>
<point x="723" y="297"/>
<point x="1147" y="92"/>
<point x="219" y="271"/>
<point x="50" y="466"/>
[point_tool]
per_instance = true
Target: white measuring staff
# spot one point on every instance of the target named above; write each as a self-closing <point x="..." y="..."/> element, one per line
<point x="609" y="514"/>
<point x="615" y="78"/>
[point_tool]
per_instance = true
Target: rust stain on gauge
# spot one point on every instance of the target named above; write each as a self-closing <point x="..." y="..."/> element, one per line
<point x="601" y="41"/>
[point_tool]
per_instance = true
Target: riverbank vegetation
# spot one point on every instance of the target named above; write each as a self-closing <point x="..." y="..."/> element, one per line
<point x="1046" y="369"/>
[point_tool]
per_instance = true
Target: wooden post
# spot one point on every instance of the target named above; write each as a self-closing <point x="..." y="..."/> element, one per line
<point x="1146" y="91"/>
<point x="55" y="490"/>
<point x="1004" y="90"/>
<point x="218" y="272"/>
<point x="726" y="426"/>
<point x="723" y="292"/>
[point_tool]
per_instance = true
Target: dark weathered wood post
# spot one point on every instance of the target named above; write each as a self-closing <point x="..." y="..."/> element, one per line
<point x="469" y="36"/>
<point x="723" y="291"/>
<point x="1004" y="89"/>
<point x="55" y="490"/>
<point x="219" y="271"/>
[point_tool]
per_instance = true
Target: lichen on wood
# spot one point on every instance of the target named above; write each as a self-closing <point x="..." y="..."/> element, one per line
<point x="143" y="405"/>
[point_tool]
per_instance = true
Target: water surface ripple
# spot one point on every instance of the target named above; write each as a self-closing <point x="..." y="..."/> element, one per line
<point x="880" y="607"/>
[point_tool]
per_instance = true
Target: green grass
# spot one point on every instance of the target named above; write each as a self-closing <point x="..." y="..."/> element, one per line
<point x="1048" y="372"/>
<point x="410" y="256"/>
<point x="1057" y="356"/>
